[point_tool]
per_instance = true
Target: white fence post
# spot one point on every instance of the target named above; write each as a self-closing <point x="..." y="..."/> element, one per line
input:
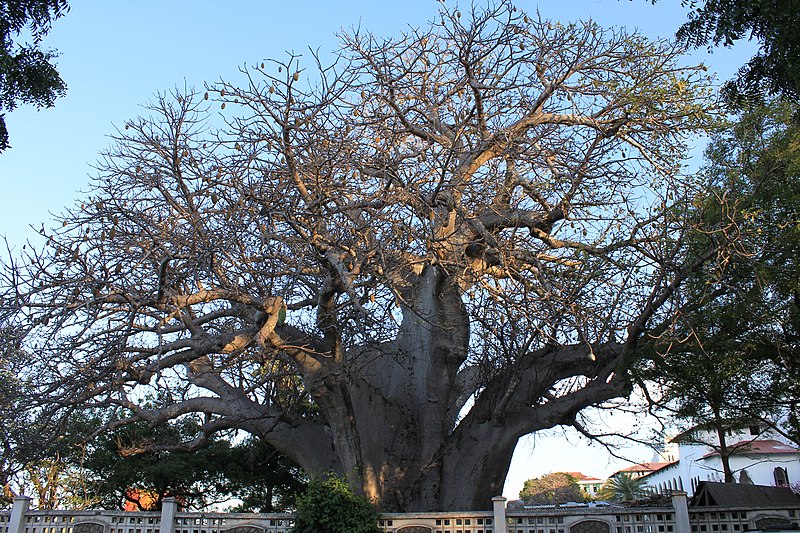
<point x="681" y="506"/>
<point x="18" y="510"/>
<point x="500" y="524"/>
<point x="169" y="510"/>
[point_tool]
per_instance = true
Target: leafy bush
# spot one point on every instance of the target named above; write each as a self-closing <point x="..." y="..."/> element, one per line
<point x="330" y="506"/>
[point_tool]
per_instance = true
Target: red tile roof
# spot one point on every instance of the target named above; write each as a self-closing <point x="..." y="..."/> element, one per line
<point x="645" y="467"/>
<point x="580" y="476"/>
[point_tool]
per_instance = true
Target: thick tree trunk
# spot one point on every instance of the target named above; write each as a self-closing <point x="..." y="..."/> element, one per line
<point x="391" y="407"/>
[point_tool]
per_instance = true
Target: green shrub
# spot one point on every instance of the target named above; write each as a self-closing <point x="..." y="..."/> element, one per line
<point x="330" y="506"/>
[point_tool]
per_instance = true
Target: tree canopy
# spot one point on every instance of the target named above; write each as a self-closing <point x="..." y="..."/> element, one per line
<point x="733" y="359"/>
<point x="775" y="69"/>
<point x="137" y="465"/>
<point x="27" y="73"/>
<point x="391" y="267"/>
<point x="555" y="488"/>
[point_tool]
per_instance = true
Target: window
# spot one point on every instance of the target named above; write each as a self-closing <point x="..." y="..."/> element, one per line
<point x="755" y="430"/>
<point x="781" y="477"/>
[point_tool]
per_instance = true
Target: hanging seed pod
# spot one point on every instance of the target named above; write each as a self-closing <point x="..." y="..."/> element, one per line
<point x="296" y="76"/>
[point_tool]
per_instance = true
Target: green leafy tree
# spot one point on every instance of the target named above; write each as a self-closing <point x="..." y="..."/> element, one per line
<point x="330" y="506"/>
<point x="120" y="470"/>
<point x="555" y="488"/>
<point x="623" y="488"/>
<point x="708" y="391"/>
<point x="775" y="24"/>
<point x="733" y="358"/>
<point x="143" y="465"/>
<point x="27" y="73"/>
<point x="264" y="479"/>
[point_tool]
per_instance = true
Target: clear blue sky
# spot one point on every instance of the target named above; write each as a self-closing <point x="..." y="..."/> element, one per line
<point x="116" y="54"/>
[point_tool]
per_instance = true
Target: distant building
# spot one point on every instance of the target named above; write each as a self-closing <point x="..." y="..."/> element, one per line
<point x="642" y="469"/>
<point x="590" y="485"/>
<point x="757" y="458"/>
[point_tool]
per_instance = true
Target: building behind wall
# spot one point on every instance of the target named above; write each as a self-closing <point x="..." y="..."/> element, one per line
<point x="757" y="457"/>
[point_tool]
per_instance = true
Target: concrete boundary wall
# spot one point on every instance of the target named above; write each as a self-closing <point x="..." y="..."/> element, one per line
<point x="583" y="518"/>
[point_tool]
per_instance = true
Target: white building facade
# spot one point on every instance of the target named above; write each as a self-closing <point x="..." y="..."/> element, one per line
<point x="759" y="458"/>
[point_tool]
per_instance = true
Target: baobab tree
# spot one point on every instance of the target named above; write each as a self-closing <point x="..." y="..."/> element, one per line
<point x="392" y="267"/>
